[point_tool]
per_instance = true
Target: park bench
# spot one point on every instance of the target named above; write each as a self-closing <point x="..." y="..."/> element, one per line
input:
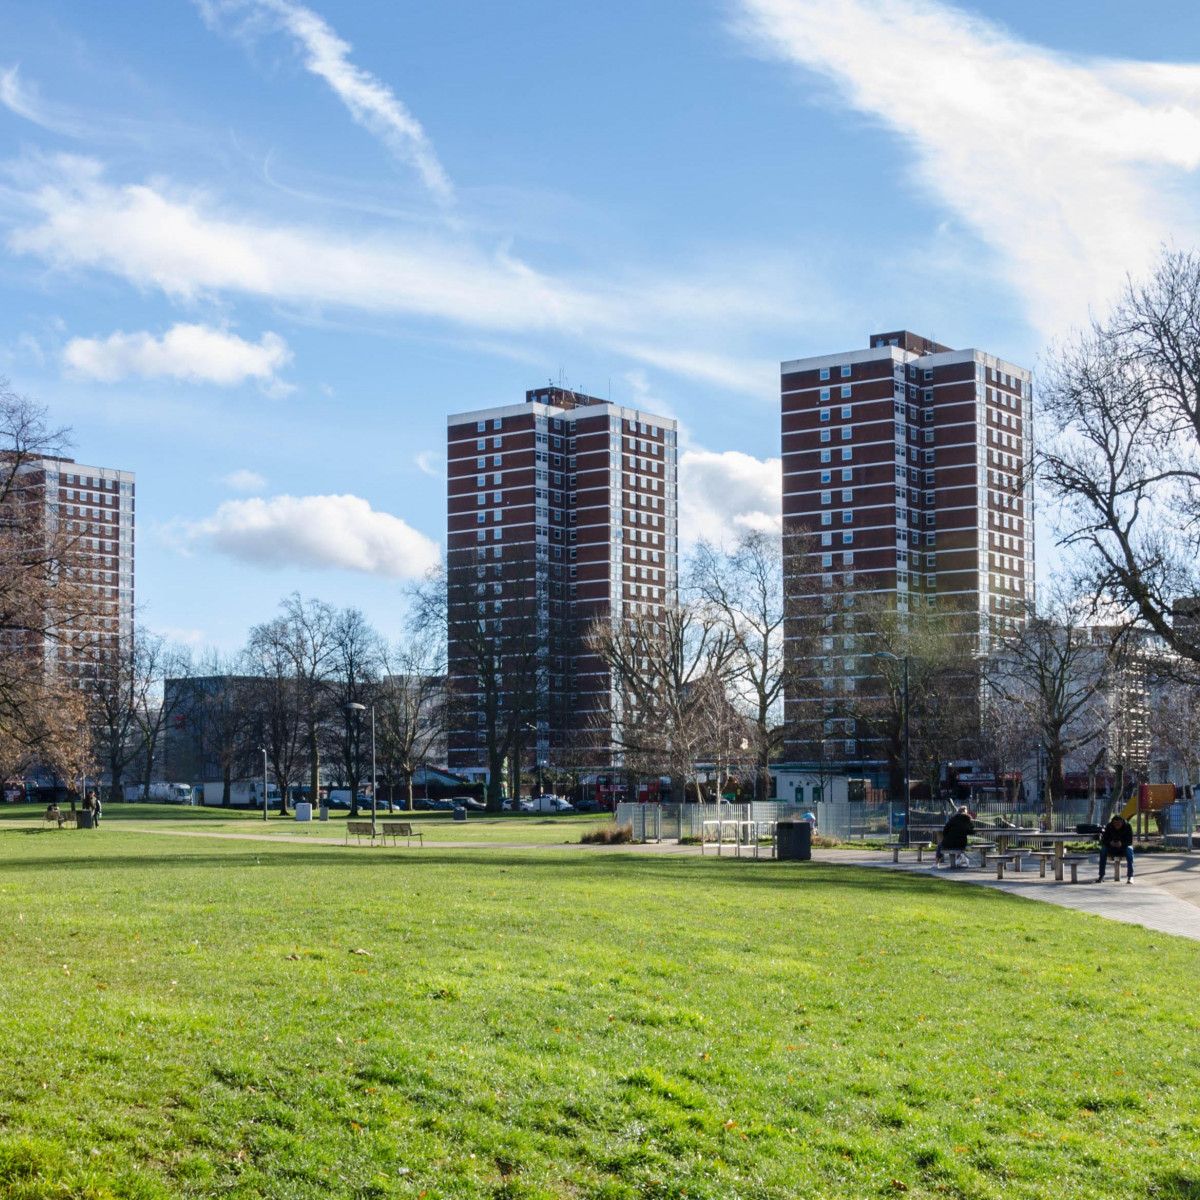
<point x="60" y="819"/>
<point x="1073" y="861"/>
<point x="1043" y="856"/>
<point x="1004" y="860"/>
<point x="401" y="829"/>
<point x="360" y="829"/>
<point x="1116" y="863"/>
<point x="984" y="848"/>
<point x="919" y="847"/>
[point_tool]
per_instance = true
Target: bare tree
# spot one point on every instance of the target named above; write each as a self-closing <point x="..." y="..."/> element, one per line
<point x="156" y="708"/>
<point x="666" y="666"/>
<point x="939" y="706"/>
<point x="279" y="704"/>
<point x="354" y="670"/>
<point x="1125" y="463"/>
<point x="1056" y="670"/>
<point x="42" y="605"/>
<point x="122" y="687"/>
<point x="411" y="708"/>
<point x="497" y="660"/>
<point x="303" y="635"/>
<point x="744" y="588"/>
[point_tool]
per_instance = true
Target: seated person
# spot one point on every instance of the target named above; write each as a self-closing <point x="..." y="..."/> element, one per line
<point x="1117" y="838"/>
<point x="955" y="834"/>
<point x="53" y="813"/>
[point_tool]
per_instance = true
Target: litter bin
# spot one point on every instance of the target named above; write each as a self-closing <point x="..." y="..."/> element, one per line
<point x="460" y="812"/>
<point x="303" y="810"/>
<point x="793" y="840"/>
<point x="83" y="819"/>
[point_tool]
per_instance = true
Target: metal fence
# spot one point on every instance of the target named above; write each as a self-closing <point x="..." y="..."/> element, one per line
<point x="660" y="822"/>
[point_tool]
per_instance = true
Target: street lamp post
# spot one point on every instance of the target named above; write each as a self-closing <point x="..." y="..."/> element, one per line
<point x="887" y="655"/>
<point x="537" y="758"/>
<point x="354" y="707"/>
<point x="264" y="754"/>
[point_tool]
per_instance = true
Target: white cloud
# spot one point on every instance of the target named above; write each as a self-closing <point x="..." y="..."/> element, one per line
<point x="316" y="532"/>
<point x="431" y="463"/>
<point x="723" y="495"/>
<point x="154" y="237"/>
<point x="193" y="353"/>
<point x="24" y="101"/>
<point x="370" y="101"/>
<point x="243" y="480"/>
<point x="1071" y="170"/>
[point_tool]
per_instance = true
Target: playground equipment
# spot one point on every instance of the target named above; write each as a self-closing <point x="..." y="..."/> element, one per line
<point x="1150" y="797"/>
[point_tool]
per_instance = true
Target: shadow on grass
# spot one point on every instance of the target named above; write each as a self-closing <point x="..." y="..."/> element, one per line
<point x="769" y="876"/>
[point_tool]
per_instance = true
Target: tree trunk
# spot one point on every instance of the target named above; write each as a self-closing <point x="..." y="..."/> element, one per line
<point x="408" y="788"/>
<point x="227" y="785"/>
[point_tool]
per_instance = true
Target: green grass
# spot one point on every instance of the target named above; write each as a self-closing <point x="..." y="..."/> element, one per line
<point x="195" y="1017"/>
<point x="518" y="829"/>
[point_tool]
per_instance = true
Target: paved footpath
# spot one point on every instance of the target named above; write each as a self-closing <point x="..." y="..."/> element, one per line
<point x="1165" y="894"/>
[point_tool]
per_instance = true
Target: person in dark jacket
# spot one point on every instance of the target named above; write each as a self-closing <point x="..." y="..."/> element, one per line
<point x="1116" y="838"/>
<point x="955" y="834"/>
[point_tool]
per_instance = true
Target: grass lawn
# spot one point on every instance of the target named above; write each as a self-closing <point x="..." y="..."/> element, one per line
<point x="521" y="828"/>
<point x="193" y="1017"/>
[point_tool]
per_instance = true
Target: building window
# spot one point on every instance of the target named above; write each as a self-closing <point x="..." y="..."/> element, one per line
<point x="847" y="433"/>
<point x="847" y="495"/>
<point x="929" y="477"/>
<point x="824" y="393"/>
<point x="480" y="517"/>
<point x="827" y="518"/>
<point x="927" y="374"/>
<point x="927" y="395"/>
<point x="480" y="426"/>
<point x="847" y="516"/>
<point x="928" y="435"/>
<point x="826" y="497"/>
<point x="847" y="474"/>
<point x="845" y="372"/>
<point x="481" y="443"/>
<point x="826" y="476"/>
<point x="845" y="391"/>
<point x="848" y="558"/>
<point x="847" y="453"/>
<point x="930" y="539"/>
<point x="848" y="538"/>
<point x="497" y="423"/>
<point x="827" y="560"/>
<point x="824" y="372"/>
<point x="845" y="412"/>
<point x="825" y="435"/>
<point x="480" y="462"/>
<point x="825" y="455"/>
<point x="824" y="414"/>
<point x="929" y="456"/>
<point x="827" y="539"/>
<point x="497" y="459"/>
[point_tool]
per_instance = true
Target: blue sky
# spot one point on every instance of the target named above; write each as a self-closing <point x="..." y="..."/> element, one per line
<point x="255" y="250"/>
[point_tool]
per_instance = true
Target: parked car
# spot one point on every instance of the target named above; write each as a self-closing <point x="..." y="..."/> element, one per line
<point x="551" y="804"/>
<point x="587" y="804"/>
<point x="469" y="802"/>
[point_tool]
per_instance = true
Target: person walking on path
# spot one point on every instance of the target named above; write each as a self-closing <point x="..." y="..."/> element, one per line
<point x="96" y="810"/>
<point x="955" y="834"/>
<point x="1117" y="838"/>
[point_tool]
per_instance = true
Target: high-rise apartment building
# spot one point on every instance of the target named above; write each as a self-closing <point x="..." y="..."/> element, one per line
<point x="905" y="475"/>
<point x="562" y="511"/>
<point x="91" y="509"/>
